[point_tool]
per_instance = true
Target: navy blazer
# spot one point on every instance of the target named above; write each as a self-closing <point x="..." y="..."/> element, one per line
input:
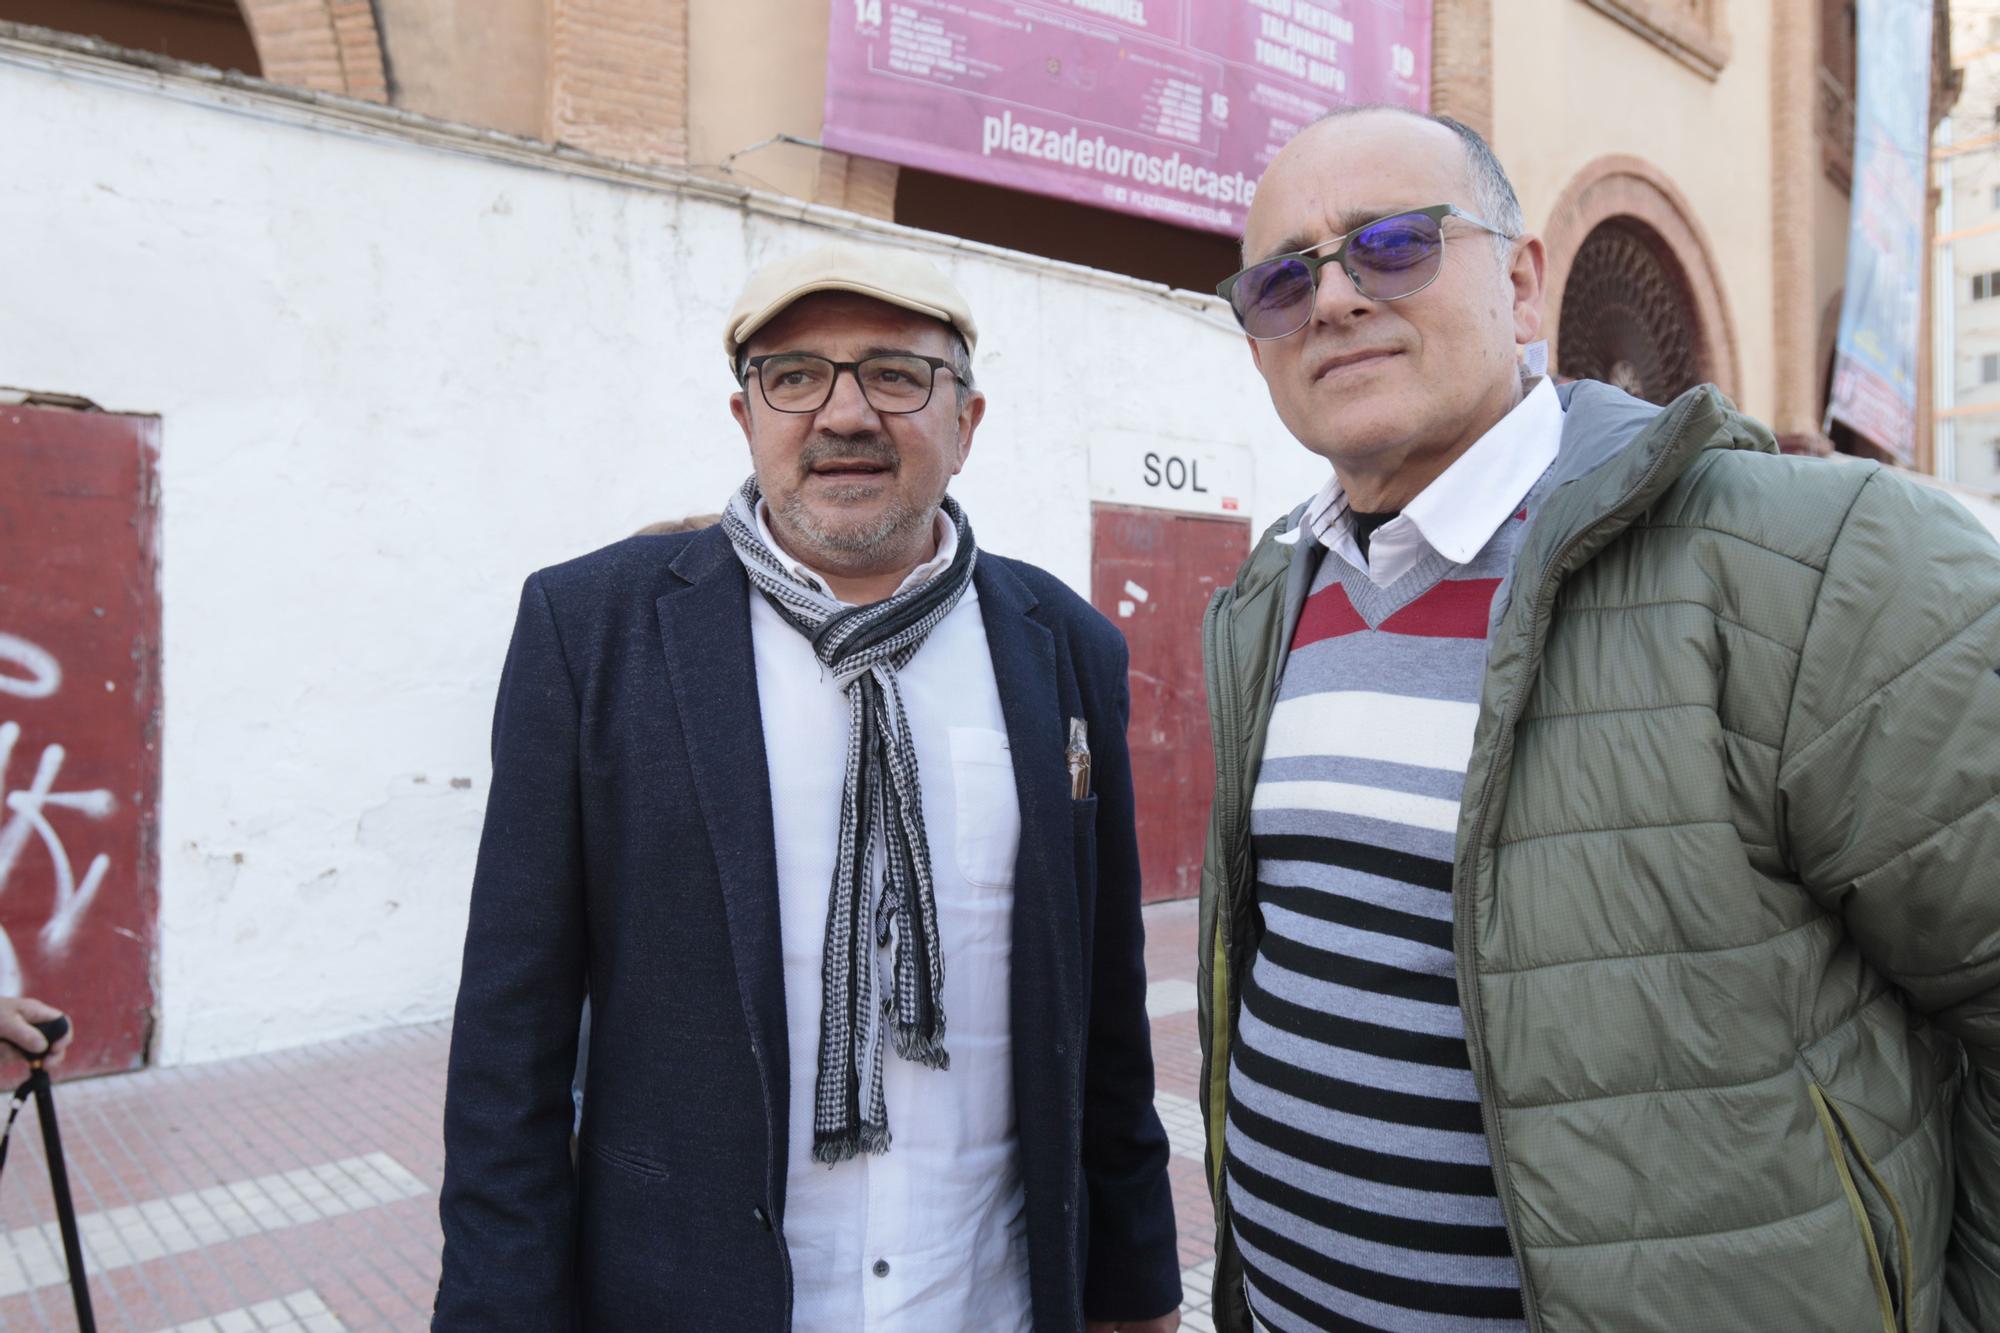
<point x="628" y="844"/>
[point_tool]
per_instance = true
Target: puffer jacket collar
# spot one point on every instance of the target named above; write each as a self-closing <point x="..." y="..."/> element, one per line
<point x="1600" y="424"/>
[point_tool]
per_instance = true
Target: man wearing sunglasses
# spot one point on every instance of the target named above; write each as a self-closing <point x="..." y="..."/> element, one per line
<point x="1600" y="927"/>
<point x="831" y="814"/>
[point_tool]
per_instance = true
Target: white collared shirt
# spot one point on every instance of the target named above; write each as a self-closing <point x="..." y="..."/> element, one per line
<point x="944" y="1209"/>
<point x="1458" y="513"/>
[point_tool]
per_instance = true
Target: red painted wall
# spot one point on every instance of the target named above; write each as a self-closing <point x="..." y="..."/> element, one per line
<point x="1176" y="561"/>
<point x="80" y="723"/>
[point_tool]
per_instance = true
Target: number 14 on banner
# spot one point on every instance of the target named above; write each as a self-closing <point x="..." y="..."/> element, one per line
<point x="867" y="13"/>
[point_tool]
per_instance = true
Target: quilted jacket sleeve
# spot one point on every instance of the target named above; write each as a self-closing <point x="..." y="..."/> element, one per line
<point x="1890" y="788"/>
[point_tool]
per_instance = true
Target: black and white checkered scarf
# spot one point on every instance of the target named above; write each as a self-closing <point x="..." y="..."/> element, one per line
<point x="881" y="805"/>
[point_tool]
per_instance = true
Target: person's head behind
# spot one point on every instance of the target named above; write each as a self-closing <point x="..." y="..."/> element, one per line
<point x="853" y="472"/>
<point x="1396" y="388"/>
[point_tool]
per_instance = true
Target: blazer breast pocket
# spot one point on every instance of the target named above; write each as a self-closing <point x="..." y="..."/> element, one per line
<point x="1083" y="825"/>
<point x="987" y="807"/>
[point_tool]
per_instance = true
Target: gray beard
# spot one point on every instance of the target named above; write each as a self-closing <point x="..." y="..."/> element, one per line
<point x="899" y="523"/>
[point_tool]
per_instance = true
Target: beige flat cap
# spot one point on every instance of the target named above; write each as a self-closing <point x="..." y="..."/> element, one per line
<point x="875" y="271"/>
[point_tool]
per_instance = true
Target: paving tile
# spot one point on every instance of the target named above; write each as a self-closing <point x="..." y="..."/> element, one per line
<point x="131" y="1236"/>
<point x="1195" y="1282"/>
<point x="299" y="1312"/>
<point x="1181" y="1117"/>
<point x="260" y="1196"/>
<point x="1172" y="996"/>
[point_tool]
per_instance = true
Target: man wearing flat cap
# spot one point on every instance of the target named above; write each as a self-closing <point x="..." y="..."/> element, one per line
<point x="829" y="813"/>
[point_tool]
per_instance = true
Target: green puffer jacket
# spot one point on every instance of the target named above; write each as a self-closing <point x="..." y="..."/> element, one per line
<point x="1727" y="885"/>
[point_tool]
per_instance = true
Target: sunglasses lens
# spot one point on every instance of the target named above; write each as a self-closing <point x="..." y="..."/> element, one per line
<point x="1274" y="298"/>
<point x="1395" y="256"/>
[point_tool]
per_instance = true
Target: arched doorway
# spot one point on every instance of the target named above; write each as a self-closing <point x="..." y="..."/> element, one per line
<point x="1628" y="317"/>
<point x="206" y="32"/>
<point x="1633" y="294"/>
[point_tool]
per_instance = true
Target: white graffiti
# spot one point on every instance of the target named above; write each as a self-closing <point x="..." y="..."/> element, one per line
<point x="27" y="815"/>
<point x="44" y="672"/>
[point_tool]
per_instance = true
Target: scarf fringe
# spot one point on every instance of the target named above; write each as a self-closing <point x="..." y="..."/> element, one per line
<point x="833" y="1149"/>
<point x="923" y="1048"/>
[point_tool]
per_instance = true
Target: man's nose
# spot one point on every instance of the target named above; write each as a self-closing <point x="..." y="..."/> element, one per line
<point x="1337" y="298"/>
<point x="846" y="410"/>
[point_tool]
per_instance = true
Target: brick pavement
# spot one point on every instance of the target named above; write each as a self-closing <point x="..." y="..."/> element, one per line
<point x="298" y="1191"/>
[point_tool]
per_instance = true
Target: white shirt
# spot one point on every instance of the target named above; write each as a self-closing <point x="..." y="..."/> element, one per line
<point x="944" y="1208"/>
<point x="1458" y="513"/>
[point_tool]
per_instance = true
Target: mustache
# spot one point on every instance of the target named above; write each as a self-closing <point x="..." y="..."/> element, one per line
<point x="866" y="447"/>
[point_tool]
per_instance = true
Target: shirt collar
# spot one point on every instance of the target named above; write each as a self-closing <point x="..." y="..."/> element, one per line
<point x="1458" y="513"/>
<point x="943" y="528"/>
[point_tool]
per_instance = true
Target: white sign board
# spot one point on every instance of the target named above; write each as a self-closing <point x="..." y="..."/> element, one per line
<point x="1160" y="472"/>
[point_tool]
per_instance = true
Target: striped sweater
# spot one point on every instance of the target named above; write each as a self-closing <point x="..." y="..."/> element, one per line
<point x="1360" y="1186"/>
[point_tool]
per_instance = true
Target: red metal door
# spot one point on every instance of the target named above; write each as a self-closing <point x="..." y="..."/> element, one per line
<point x="80" y="723"/>
<point x="1152" y="573"/>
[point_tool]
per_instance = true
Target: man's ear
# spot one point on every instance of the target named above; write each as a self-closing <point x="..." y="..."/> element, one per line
<point x="1527" y="275"/>
<point x="739" y="407"/>
<point x="970" y="413"/>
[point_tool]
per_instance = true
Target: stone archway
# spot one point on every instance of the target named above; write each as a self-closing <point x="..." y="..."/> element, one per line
<point x="329" y="46"/>
<point x="1639" y="241"/>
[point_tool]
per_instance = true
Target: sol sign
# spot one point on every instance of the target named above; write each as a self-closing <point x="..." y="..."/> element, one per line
<point x="1162" y="473"/>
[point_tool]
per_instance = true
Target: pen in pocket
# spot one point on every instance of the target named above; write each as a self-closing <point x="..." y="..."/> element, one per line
<point x="1079" y="759"/>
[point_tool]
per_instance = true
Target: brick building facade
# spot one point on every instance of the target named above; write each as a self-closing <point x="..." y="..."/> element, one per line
<point x="1719" y="165"/>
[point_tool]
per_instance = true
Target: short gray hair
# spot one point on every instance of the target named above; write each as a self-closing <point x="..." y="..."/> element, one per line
<point x="1492" y="193"/>
<point x="958" y="354"/>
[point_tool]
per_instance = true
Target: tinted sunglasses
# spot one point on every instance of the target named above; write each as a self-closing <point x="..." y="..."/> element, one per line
<point x="1386" y="260"/>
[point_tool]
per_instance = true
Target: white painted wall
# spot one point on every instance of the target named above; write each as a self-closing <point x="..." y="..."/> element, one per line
<point x="396" y="376"/>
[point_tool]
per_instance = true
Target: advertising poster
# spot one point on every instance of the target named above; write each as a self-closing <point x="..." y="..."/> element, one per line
<point x="1875" y="360"/>
<point x="1169" y="109"/>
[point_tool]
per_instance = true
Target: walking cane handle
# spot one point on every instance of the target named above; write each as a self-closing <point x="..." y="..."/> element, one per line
<point x="53" y="1030"/>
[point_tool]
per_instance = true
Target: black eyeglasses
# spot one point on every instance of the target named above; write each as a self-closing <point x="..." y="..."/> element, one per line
<point x="1386" y="260"/>
<point x="892" y="382"/>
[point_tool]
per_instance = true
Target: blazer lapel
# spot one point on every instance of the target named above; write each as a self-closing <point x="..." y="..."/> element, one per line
<point x="705" y="629"/>
<point x="1024" y="668"/>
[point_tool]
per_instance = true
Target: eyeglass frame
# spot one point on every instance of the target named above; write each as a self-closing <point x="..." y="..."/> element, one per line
<point x="1315" y="262"/>
<point x="753" y="368"/>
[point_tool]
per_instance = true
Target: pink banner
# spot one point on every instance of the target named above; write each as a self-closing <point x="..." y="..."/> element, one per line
<point x="1166" y="108"/>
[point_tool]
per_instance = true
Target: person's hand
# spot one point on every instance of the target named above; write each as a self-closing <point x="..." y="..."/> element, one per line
<point x="18" y="1016"/>
<point x="1166" y="1323"/>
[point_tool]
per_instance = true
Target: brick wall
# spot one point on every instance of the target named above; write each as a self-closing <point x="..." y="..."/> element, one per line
<point x="1796" y="157"/>
<point x="618" y="78"/>
<point x="1462" y="62"/>
<point x="858" y="184"/>
<point x="326" y="45"/>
